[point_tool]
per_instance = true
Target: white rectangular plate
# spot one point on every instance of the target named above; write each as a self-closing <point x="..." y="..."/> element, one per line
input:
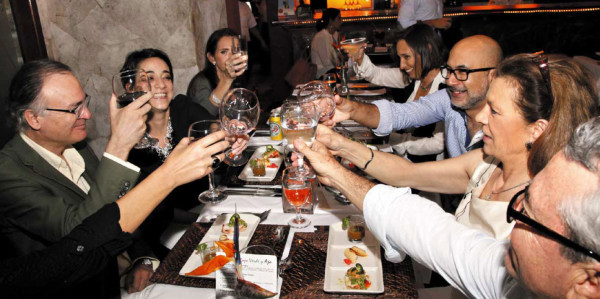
<point x="335" y="268"/>
<point x="213" y="234"/>
<point x="247" y="174"/>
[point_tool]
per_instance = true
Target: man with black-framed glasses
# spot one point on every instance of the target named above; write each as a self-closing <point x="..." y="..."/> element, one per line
<point x="468" y="72"/>
<point x="552" y="251"/>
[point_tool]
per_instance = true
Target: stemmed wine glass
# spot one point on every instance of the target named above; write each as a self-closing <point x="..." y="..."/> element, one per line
<point x="329" y="80"/>
<point x="129" y="85"/>
<point x="321" y="96"/>
<point x="239" y="112"/>
<point x="198" y="130"/>
<point x="297" y="191"/>
<point x="299" y="120"/>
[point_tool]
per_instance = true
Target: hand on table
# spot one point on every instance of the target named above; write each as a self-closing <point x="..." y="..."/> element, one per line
<point x="138" y="278"/>
<point x="127" y="125"/>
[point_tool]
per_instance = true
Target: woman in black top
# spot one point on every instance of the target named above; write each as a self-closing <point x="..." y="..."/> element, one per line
<point x="168" y="122"/>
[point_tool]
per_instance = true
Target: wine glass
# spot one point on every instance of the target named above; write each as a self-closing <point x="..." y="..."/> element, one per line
<point x="199" y="130"/>
<point x="239" y="44"/>
<point x="297" y="191"/>
<point x="129" y="85"/>
<point x="321" y="96"/>
<point x="299" y="120"/>
<point x="239" y="112"/>
<point x="329" y="80"/>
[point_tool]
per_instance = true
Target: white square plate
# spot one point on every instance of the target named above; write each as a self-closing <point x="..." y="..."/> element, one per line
<point x="247" y="174"/>
<point x="213" y="234"/>
<point x="335" y="268"/>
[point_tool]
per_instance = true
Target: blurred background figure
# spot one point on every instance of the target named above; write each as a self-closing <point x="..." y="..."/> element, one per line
<point x="322" y="51"/>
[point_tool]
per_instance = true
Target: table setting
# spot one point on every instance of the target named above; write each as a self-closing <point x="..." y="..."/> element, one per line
<point x="285" y="212"/>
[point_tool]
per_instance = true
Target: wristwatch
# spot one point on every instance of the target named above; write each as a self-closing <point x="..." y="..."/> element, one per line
<point x="147" y="262"/>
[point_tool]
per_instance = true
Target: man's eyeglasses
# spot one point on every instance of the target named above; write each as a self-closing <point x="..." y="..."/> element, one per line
<point x="78" y="111"/>
<point x="460" y="74"/>
<point x="513" y="214"/>
<point x="542" y="61"/>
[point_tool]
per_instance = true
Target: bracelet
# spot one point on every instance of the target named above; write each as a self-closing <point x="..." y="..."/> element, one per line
<point x="215" y="100"/>
<point x="367" y="164"/>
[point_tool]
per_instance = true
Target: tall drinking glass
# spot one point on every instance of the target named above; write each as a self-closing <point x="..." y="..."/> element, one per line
<point x="239" y="45"/>
<point x="127" y="86"/>
<point x="297" y="191"/>
<point x="321" y="96"/>
<point x="239" y="112"/>
<point x="299" y="121"/>
<point x="199" y="130"/>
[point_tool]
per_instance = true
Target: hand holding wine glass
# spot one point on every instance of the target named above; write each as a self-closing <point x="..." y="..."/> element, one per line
<point x="199" y="130"/>
<point x="240" y="46"/>
<point x="321" y="96"/>
<point x="129" y="85"/>
<point x="239" y="113"/>
<point x="299" y="121"/>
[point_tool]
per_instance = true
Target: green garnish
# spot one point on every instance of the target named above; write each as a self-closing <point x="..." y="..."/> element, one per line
<point x="345" y="222"/>
<point x="240" y="221"/>
<point x="359" y="269"/>
<point x="253" y="162"/>
<point x="201" y="247"/>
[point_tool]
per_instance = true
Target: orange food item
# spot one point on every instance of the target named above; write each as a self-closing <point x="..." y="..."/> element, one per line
<point x="214" y="264"/>
<point x="226" y="247"/>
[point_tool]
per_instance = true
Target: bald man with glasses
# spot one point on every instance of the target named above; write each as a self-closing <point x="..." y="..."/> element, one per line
<point x="468" y="73"/>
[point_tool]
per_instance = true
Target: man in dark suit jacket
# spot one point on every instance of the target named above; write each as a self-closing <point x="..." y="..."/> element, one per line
<point x="49" y="179"/>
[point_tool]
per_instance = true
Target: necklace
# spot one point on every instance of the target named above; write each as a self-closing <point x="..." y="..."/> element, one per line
<point x="163" y="152"/>
<point x="507" y="189"/>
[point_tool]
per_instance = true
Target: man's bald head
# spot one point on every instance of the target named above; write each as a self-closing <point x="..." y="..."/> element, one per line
<point x="482" y="50"/>
<point x="472" y="53"/>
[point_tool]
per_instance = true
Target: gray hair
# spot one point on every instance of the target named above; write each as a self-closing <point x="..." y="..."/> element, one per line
<point x="26" y="87"/>
<point x="581" y="216"/>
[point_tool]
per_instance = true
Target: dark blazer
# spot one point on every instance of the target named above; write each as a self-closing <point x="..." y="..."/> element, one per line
<point x="39" y="205"/>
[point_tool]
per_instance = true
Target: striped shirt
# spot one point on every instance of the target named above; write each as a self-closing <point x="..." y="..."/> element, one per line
<point x="427" y="110"/>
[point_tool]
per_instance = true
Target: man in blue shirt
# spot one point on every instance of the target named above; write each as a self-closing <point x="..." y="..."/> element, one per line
<point x="468" y="73"/>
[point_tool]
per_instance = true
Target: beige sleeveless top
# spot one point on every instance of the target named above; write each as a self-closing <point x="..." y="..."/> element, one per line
<point x="473" y="211"/>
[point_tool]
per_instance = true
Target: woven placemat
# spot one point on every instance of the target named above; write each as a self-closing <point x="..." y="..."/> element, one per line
<point x="306" y="277"/>
<point x="168" y="271"/>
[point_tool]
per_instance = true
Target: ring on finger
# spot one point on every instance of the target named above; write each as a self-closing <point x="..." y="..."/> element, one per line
<point x="216" y="162"/>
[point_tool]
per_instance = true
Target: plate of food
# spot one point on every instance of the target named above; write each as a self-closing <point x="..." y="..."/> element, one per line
<point x="263" y="165"/>
<point x="352" y="267"/>
<point x="216" y="247"/>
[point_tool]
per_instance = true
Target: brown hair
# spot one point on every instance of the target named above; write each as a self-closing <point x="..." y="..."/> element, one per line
<point x="573" y="100"/>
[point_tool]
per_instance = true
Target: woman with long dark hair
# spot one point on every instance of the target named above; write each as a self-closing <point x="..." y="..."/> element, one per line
<point x="322" y="52"/>
<point x="221" y="69"/>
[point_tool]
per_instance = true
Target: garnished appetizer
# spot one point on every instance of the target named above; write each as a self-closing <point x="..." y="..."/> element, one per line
<point x="352" y="254"/>
<point x="271" y="152"/>
<point x="356" y="278"/>
<point x="228" y="228"/>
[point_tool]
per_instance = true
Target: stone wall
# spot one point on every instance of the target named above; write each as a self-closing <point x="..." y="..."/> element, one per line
<point x="93" y="38"/>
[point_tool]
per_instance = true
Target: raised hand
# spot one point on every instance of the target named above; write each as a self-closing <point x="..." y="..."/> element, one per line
<point x="343" y="111"/>
<point x="127" y="125"/>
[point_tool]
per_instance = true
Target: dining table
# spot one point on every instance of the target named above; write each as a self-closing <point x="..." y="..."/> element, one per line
<point x="305" y="276"/>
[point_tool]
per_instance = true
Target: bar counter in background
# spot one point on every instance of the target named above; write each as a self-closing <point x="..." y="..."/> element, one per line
<point x="567" y="27"/>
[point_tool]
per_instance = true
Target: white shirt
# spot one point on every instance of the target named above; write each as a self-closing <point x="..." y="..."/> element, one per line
<point x="467" y="258"/>
<point x="322" y="52"/>
<point x="412" y="11"/>
<point x="73" y="165"/>
<point x="389" y="77"/>
<point x="247" y="20"/>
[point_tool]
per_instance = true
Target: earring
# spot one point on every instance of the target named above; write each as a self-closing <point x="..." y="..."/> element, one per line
<point x="214" y="63"/>
<point x="528" y="145"/>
